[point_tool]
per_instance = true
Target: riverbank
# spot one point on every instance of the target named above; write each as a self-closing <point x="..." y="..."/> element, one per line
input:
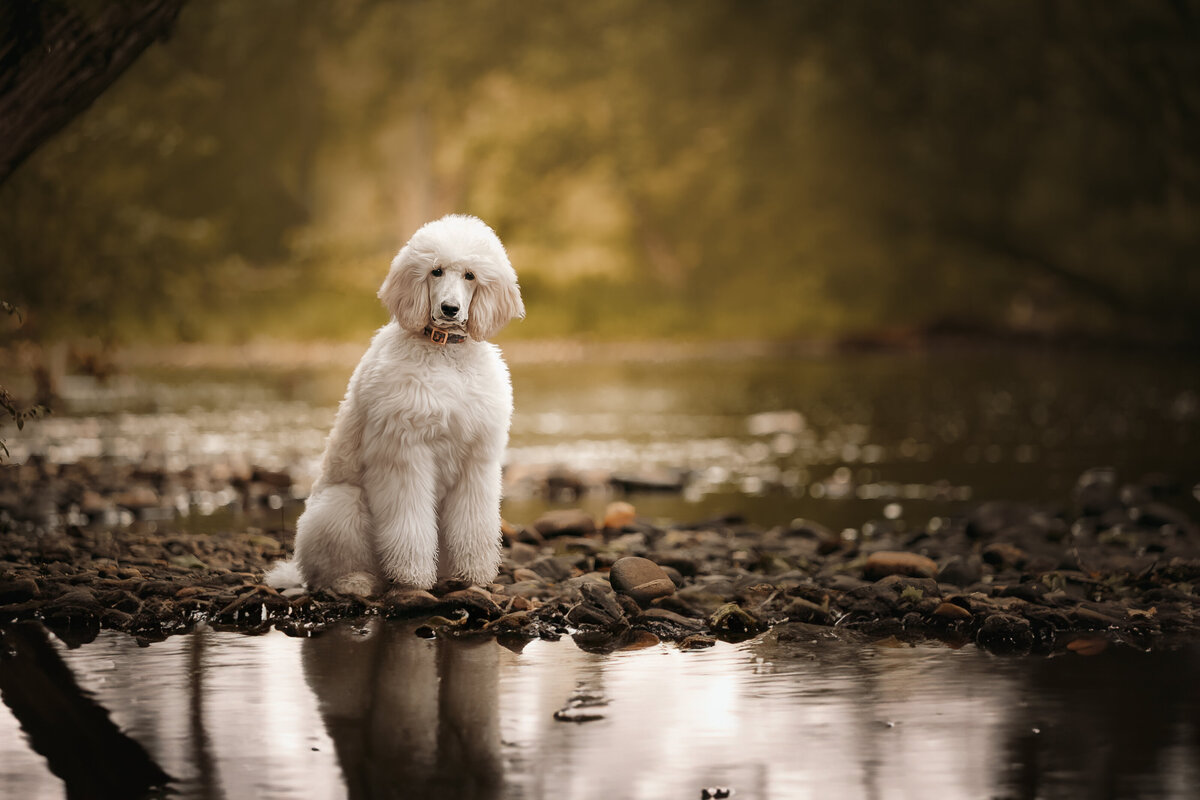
<point x="1110" y="565"/>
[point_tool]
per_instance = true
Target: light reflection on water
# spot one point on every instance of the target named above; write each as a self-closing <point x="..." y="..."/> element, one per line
<point x="372" y="710"/>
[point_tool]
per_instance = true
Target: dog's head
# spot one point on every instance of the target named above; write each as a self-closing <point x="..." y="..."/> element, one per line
<point x="453" y="274"/>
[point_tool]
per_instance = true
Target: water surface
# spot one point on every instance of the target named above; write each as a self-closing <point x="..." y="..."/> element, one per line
<point x="841" y="440"/>
<point x="372" y="710"/>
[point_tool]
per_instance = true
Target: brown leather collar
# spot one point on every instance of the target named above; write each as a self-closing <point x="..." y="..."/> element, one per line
<point x="439" y="336"/>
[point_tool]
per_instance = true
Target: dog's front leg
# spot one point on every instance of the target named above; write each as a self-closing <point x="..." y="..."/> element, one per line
<point x="471" y="523"/>
<point x="401" y="494"/>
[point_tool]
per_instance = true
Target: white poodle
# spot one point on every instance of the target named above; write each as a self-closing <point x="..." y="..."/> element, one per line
<point x="409" y="489"/>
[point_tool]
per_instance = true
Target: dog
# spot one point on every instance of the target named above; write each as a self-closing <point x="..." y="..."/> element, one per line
<point x="409" y="490"/>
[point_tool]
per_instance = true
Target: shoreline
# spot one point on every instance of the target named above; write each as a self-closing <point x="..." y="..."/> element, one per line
<point x="92" y="356"/>
<point x="1110" y="566"/>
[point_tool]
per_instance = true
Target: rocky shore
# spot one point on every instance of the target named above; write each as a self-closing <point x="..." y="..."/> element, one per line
<point x="1113" y="564"/>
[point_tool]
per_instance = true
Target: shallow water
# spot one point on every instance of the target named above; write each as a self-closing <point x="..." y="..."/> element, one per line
<point x="842" y="440"/>
<point x="375" y="711"/>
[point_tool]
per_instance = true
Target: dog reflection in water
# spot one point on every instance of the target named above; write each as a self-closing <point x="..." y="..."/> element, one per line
<point x="410" y="717"/>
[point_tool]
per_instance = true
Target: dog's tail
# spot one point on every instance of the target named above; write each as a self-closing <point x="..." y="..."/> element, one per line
<point x="284" y="575"/>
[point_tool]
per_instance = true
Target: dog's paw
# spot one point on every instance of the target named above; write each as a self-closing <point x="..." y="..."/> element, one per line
<point x="361" y="584"/>
<point x="479" y="577"/>
<point x="413" y="579"/>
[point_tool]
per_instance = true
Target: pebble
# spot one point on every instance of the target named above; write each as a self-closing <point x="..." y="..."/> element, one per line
<point x="951" y="611"/>
<point x="961" y="571"/>
<point x="801" y="610"/>
<point x="1004" y="554"/>
<point x="522" y="553"/>
<point x="638" y="640"/>
<point x="403" y="601"/>
<point x="1005" y="633"/>
<point x="618" y="514"/>
<point x="663" y="615"/>
<point x="18" y="591"/>
<point x="882" y="563"/>
<point x="696" y="642"/>
<point x="527" y="589"/>
<point x="523" y="574"/>
<point x="1031" y="577"/>
<point x="553" y="568"/>
<point x="565" y="522"/>
<point x="641" y="579"/>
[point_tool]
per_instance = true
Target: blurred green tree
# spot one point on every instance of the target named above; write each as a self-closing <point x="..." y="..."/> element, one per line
<point x="733" y="169"/>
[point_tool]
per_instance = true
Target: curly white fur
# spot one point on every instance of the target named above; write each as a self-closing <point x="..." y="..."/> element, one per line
<point x="409" y="489"/>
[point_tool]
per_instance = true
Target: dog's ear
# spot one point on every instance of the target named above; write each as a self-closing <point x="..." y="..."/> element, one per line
<point x="495" y="303"/>
<point x="404" y="292"/>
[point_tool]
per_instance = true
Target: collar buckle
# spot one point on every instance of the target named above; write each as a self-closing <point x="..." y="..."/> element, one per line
<point x="441" y="337"/>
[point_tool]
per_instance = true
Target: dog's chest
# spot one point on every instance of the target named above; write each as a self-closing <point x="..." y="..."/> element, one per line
<point x="443" y="401"/>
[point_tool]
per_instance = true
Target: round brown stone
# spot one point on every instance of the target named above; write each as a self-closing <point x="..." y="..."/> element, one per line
<point x="618" y="514"/>
<point x="893" y="562"/>
<point x="951" y="611"/>
<point x="565" y="522"/>
<point x="641" y="579"/>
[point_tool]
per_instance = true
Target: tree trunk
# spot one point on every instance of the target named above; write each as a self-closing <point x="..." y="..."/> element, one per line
<point x="57" y="57"/>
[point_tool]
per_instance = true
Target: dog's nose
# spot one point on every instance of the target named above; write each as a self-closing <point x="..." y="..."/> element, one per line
<point x="449" y="310"/>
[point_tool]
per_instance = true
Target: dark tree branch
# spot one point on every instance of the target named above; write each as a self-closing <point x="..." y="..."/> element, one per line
<point x="57" y="57"/>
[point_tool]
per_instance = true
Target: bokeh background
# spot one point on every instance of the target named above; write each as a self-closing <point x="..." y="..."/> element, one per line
<point x="821" y="170"/>
<point x="866" y="263"/>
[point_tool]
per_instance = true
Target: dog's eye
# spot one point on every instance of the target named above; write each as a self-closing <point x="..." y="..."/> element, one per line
<point x="470" y="276"/>
<point x="437" y="272"/>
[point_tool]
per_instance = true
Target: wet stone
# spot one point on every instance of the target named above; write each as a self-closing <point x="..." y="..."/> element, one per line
<point x="1003" y="554"/>
<point x="565" y="522"/>
<point x="800" y="610"/>
<point x="696" y="642"/>
<point x="76" y="597"/>
<point x="1128" y="568"/>
<point x="586" y="614"/>
<point x="554" y="568"/>
<point x="960" y="570"/>
<point x="663" y="615"/>
<point x="18" y="591"/>
<point x="732" y="619"/>
<point x="902" y="584"/>
<point x="1005" y="633"/>
<point x="527" y="589"/>
<point x="1094" y="616"/>
<point x="403" y="601"/>
<point x="844" y="583"/>
<point x="521" y="553"/>
<point x="602" y="597"/>
<point x="952" y="612"/>
<point x="618" y="514"/>
<point x="882" y="563"/>
<point x="641" y="579"/>
<point x="523" y="574"/>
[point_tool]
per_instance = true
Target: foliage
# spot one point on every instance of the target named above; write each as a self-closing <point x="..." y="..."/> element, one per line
<point x="731" y="169"/>
<point x="10" y="408"/>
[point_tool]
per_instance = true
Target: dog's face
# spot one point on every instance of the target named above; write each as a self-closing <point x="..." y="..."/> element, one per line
<point x="451" y="289"/>
<point x="453" y="273"/>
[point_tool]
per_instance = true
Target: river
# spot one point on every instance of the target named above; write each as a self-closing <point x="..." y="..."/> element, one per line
<point x="369" y="709"/>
